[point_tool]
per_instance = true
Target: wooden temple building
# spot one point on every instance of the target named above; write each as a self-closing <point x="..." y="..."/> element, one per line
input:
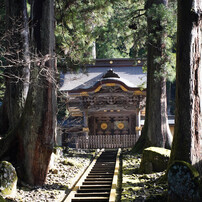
<point x="105" y="104"/>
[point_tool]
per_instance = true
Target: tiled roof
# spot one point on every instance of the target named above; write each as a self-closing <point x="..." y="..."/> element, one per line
<point x="132" y="76"/>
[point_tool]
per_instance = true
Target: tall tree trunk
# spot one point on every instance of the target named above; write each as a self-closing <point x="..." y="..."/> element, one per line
<point x="16" y="76"/>
<point x="31" y="143"/>
<point x="37" y="128"/>
<point x="156" y="131"/>
<point x="187" y="143"/>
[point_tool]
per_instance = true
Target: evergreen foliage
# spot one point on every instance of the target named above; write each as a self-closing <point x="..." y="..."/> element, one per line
<point x="77" y="22"/>
<point x="116" y="39"/>
<point x="118" y="28"/>
<point x="108" y="23"/>
<point x="167" y="17"/>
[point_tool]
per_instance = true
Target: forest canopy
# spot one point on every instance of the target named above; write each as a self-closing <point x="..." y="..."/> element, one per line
<point x="86" y="30"/>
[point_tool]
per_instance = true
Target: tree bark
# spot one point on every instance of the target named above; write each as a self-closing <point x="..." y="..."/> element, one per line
<point x="187" y="143"/>
<point x="30" y="144"/>
<point x="37" y="127"/>
<point x="17" y="76"/>
<point x="156" y="131"/>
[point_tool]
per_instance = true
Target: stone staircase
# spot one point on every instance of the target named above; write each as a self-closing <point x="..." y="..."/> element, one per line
<point x="97" y="184"/>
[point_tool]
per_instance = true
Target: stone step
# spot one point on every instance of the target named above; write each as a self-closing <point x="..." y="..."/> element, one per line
<point x="95" y="186"/>
<point x="102" y="170"/>
<point x="109" y="166"/>
<point x="105" y="163"/>
<point x="103" y="167"/>
<point x="98" y="179"/>
<point x="88" y="199"/>
<point x="100" y="174"/>
<point x="106" y="160"/>
<point x="105" y="194"/>
<point x="97" y="183"/>
<point x="93" y="190"/>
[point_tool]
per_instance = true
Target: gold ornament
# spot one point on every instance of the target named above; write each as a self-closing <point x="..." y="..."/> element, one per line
<point x="104" y="126"/>
<point x="120" y="126"/>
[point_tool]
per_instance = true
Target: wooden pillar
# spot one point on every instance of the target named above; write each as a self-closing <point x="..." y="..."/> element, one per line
<point x="138" y="125"/>
<point x="86" y="128"/>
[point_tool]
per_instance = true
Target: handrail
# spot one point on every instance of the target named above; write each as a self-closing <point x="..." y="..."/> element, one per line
<point x="113" y="193"/>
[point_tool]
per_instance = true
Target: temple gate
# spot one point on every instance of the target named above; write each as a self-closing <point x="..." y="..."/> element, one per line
<point x="109" y="107"/>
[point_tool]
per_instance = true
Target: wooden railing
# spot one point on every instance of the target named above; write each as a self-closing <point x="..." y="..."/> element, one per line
<point x="106" y="141"/>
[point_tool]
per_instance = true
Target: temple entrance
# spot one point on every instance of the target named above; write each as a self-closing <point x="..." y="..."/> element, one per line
<point x="112" y="125"/>
<point x="110" y="130"/>
<point x="109" y="103"/>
